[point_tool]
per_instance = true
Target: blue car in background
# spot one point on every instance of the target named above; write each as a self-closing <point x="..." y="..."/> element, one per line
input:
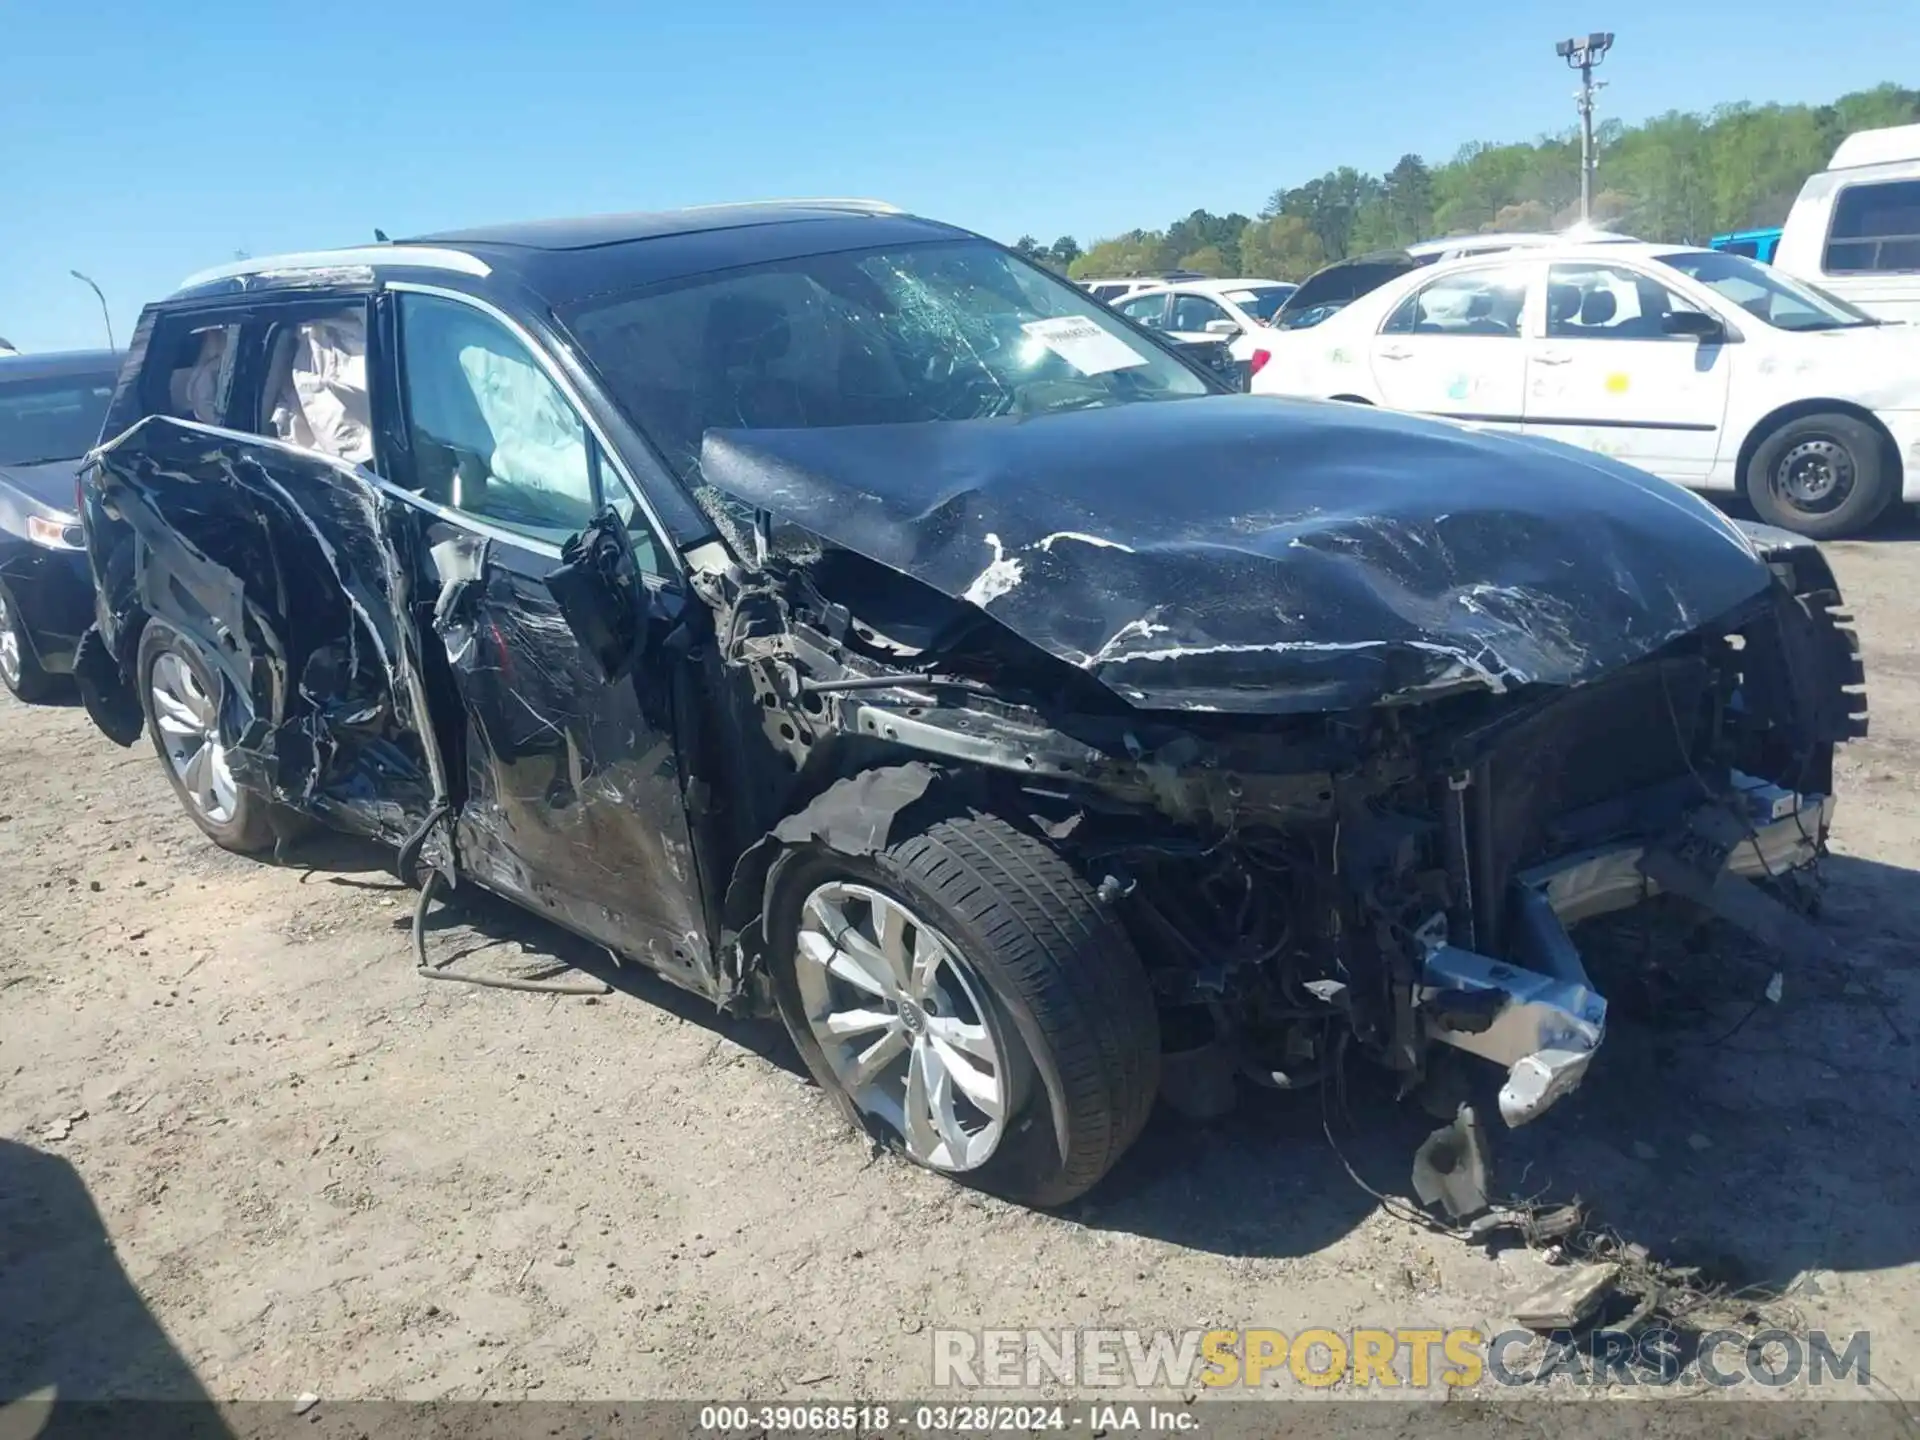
<point x="1754" y="244"/>
<point x="51" y="407"/>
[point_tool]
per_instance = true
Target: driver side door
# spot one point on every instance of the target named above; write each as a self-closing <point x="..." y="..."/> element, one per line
<point x="573" y="800"/>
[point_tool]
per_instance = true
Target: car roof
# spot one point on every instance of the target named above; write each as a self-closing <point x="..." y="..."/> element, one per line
<point x="1517" y="239"/>
<point x="54" y="364"/>
<point x="568" y="259"/>
<point x="591" y="231"/>
<point x="1596" y="250"/>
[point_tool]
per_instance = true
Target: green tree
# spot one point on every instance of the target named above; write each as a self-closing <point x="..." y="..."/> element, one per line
<point x="1331" y="206"/>
<point x="1204" y="231"/>
<point x="1135" y="253"/>
<point x="1680" y="176"/>
<point x="1407" y="200"/>
<point x="1283" y="247"/>
<point x="1063" y="252"/>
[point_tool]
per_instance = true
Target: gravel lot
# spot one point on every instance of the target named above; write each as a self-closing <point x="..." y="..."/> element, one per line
<point x="247" y="1149"/>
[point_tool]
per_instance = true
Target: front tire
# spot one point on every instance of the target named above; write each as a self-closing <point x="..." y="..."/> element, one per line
<point x="181" y="699"/>
<point x="19" y="665"/>
<point x="1825" y="476"/>
<point x="963" y="995"/>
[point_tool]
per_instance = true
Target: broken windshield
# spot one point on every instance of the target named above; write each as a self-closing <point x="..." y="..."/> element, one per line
<point x="950" y="331"/>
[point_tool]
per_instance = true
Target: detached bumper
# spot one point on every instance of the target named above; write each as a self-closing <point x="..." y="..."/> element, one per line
<point x="1542" y="1019"/>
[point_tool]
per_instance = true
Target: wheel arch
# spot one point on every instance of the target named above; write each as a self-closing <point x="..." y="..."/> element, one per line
<point x="1770" y="424"/>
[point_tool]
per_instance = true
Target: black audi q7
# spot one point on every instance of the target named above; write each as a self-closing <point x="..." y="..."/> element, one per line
<point x="848" y="620"/>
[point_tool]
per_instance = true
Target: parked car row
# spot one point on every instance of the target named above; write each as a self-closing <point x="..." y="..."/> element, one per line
<point x="1699" y="366"/>
<point x="852" y="622"/>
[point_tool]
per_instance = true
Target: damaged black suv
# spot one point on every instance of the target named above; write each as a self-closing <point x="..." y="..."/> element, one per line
<point x="844" y="618"/>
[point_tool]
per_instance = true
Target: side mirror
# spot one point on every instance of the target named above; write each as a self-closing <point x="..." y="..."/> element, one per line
<point x="600" y="594"/>
<point x="1696" y="323"/>
<point x="1222" y="327"/>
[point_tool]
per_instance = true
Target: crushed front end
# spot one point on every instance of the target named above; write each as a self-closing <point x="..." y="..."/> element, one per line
<point x="1354" y="831"/>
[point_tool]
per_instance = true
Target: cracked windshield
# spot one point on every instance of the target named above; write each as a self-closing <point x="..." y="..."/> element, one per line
<point x="917" y="333"/>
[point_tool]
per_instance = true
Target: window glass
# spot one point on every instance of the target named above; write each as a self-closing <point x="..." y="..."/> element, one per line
<point x="491" y="435"/>
<point x="1875" y="227"/>
<point x="1472" y="303"/>
<point x="1765" y="293"/>
<point x="52" y="418"/>
<point x="1608" y="302"/>
<point x="1196" y="312"/>
<point x="908" y="334"/>
<point x="315" y="390"/>
<point x="1262" y="304"/>
<point x="1148" y="310"/>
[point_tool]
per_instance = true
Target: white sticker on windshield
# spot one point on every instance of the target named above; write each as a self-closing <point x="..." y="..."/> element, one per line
<point x="1084" y="345"/>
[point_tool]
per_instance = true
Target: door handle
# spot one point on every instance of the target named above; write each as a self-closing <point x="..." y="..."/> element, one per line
<point x="1395" y="352"/>
<point x="1553" y="357"/>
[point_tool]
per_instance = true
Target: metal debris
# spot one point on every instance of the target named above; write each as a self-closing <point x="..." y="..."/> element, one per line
<point x="1450" y="1167"/>
<point x="1567" y="1300"/>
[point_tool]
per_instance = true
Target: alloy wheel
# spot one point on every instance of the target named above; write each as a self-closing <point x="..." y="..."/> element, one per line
<point x="903" y="1024"/>
<point x="9" y="643"/>
<point x="189" y="723"/>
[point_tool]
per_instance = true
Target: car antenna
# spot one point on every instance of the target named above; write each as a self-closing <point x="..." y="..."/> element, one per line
<point x="381" y="236"/>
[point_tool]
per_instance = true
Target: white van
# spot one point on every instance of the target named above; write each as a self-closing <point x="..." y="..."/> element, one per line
<point x="1855" y="230"/>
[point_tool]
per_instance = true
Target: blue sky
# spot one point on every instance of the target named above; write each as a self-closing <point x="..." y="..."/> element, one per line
<point x="146" y="140"/>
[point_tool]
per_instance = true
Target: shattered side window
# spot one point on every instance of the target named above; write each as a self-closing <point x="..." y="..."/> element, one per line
<point x="315" y="394"/>
<point x="199" y="371"/>
<point x="490" y="434"/>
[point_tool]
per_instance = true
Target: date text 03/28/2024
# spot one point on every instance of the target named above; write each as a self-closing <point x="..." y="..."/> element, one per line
<point x="1095" y="1419"/>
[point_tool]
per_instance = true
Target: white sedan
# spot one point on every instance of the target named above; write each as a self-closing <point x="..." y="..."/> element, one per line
<point x="1702" y="367"/>
<point x="1237" y="311"/>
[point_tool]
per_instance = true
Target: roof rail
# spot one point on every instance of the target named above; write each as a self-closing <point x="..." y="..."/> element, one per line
<point x="858" y="207"/>
<point x="426" y="257"/>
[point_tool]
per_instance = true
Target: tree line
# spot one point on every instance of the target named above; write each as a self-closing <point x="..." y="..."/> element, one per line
<point x="1681" y="177"/>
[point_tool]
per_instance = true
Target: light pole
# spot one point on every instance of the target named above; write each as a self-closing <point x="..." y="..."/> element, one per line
<point x="103" y="303"/>
<point x="1583" y="55"/>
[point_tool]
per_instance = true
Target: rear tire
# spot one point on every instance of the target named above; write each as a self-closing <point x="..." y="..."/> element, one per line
<point x="1033" y="967"/>
<point x="180" y="697"/>
<point x="19" y="665"/>
<point x="1825" y="476"/>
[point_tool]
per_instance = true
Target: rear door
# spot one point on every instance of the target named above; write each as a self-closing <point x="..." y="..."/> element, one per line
<point x="1607" y="377"/>
<point x="573" y="802"/>
<point x="1455" y="346"/>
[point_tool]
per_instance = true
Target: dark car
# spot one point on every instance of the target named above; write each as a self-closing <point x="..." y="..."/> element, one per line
<point x="841" y="616"/>
<point x="51" y="407"/>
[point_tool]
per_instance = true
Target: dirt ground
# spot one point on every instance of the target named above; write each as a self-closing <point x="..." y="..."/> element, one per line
<point x="247" y="1150"/>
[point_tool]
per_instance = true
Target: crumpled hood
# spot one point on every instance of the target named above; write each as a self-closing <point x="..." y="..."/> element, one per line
<point x="1251" y="554"/>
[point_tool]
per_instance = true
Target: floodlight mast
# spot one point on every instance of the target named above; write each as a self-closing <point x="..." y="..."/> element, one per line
<point x="1583" y="55"/>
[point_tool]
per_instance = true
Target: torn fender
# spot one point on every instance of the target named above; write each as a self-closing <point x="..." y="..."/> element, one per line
<point x="1250" y="554"/>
